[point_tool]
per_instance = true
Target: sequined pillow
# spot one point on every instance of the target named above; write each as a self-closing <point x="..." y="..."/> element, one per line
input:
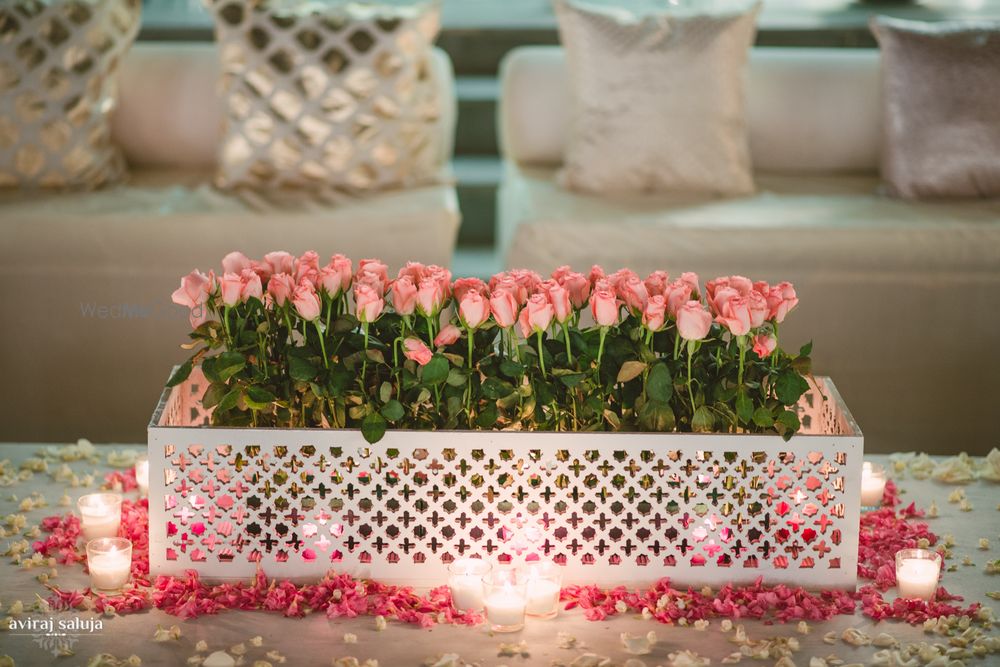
<point x="941" y="107"/>
<point x="325" y="97"/>
<point x="58" y="69"/>
<point x="657" y="101"/>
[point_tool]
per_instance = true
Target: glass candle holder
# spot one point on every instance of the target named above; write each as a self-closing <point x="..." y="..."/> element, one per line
<point x="505" y="600"/>
<point x="917" y="573"/>
<point x="465" y="580"/>
<point x="142" y="474"/>
<point x="543" y="580"/>
<point x="100" y="515"/>
<point x="873" y="481"/>
<point x="109" y="560"/>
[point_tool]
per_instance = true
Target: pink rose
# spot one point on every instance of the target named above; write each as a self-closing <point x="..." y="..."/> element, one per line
<point x="691" y="278"/>
<point x="503" y="305"/>
<point x="596" y="273"/>
<point x="654" y="316"/>
<point x="198" y="315"/>
<point x="306" y="301"/>
<point x="442" y="277"/>
<point x="344" y="267"/>
<point x="473" y="309"/>
<point x="231" y="285"/>
<point x="693" y="321"/>
<point x="262" y="269"/>
<point x="735" y="315"/>
<point x="656" y="282"/>
<point x="559" y="298"/>
<point x="371" y="279"/>
<point x="280" y="287"/>
<point x="374" y="266"/>
<point x="764" y="344"/>
<point x="464" y="285"/>
<point x="404" y="295"/>
<point x="447" y="336"/>
<point x="508" y="284"/>
<point x="781" y="300"/>
<point x="307" y="267"/>
<point x="280" y="262"/>
<point x="330" y="281"/>
<point x="537" y="315"/>
<point x="415" y="270"/>
<point x="758" y="308"/>
<point x="195" y="289"/>
<point x="250" y="286"/>
<point x="578" y="287"/>
<point x="560" y="274"/>
<point x="620" y="277"/>
<point x="633" y="292"/>
<point x="721" y="296"/>
<point x="235" y="262"/>
<point x="739" y="284"/>
<point x="369" y="303"/>
<point x="677" y="293"/>
<point x="604" y="307"/>
<point x="415" y="350"/>
<point x="430" y="297"/>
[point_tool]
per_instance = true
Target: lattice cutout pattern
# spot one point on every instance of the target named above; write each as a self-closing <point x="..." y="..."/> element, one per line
<point x="609" y="507"/>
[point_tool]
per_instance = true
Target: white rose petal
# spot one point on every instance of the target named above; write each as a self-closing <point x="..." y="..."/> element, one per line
<point x="727" y="625"/>
<point x="732" y="658"/>
<point x="591" y="660"/>
<point x="634" y="662"/>
<point x="688" y="659"/>
<point x="621" y="607"/>
<point x="219" y="659"/>
<point x="350" y="638"/>
<point x="638" y="644"/>
<point x="956" y="495"/>
<point x="818" y="662"/>
<point x="803" y="628"/>
<point x="955" y="470"/>
<point x="507" y="650"/>
<point x="990" y="469"/>
<point x="884" y="640"/>
<point x="380" y="623"/>
<point x="855" y="637"/>
<point x="565" y="640"/>
<point x="701" y="625"/>
<point x="984" y="543"/>
<point x="201" y="646"/>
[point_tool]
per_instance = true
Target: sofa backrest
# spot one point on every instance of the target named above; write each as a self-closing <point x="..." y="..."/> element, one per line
<point x="170" y="111"/>
<point x="814" y="110"/>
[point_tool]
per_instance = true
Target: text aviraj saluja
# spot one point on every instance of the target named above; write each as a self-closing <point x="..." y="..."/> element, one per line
<point x="52" y="625"/>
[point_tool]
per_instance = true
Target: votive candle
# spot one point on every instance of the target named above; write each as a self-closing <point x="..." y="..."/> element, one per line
<point x="872" y="484"/>
<point x="505" y="600"/>
<point x="109" y="560"/>
<point x="142" y="474"/>
<point x="917" y="572"/>
<point x="465" y="580"/>
<point x="100" y="515"/>
<point x="543" y="582"/>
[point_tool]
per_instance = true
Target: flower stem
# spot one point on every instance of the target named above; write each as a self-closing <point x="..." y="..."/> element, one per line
<point x="468" y="389"/>
<point x="600" y="348"/>
<point x="364" y="359"/>
<point x="741" y="343"/>
<point x="322" y="343"/>
<point x="541" y="355"/>
<point x="569" y="351"/>
<point x="677" y="344"/>
<point x="690" y="351"/>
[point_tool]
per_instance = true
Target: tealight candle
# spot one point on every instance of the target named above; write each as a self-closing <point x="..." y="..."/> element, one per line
<point x="109" y="560"/>
<point x="142" y="474"/>
<point x="543" y="581"/>
<point x="465" y="579"/>
<point x="872" y="484"/>
<point x="917" y="572"/>
<point x="505" y="601"/>
<point x="100" y="515"/>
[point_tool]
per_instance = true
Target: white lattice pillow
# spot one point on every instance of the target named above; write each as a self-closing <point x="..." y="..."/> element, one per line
<point x="327" y="97"/>
<point x="58" y="67"/>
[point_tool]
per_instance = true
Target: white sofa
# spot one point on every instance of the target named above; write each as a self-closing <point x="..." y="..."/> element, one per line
<point x="88" y="331"/>
<point x="901" y="298"/>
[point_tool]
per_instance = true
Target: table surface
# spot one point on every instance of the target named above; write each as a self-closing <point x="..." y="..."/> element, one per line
<point x="316" y="640"/>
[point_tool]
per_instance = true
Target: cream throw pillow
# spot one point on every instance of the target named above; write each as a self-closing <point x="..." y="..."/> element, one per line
<point x="327" y="97"/>
<point x="58" y="72"/>
<point x="657" y="99"/>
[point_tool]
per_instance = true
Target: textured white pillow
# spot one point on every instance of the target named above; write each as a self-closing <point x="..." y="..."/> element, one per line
<point x="657" y="99"/>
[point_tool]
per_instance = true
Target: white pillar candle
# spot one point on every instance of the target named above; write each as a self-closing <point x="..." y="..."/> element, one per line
<point x="505" y="608"/>
<point x="465" y="581"/>
<point x="543" y="583"/>
<point x="917" y="572"/>
<point x="872" y="484"/>
<point x="109" y="560"/>
<point x="142" y="474"/>
<point x="100" y="515"/>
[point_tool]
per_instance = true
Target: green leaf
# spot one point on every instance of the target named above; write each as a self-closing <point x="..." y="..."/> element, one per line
<point x="385" y="392"/>
<point x="631" y="370"/>
<point x="544" y="393"/>
<point x="259" y="398"/>
<point x="789" y="420"/>
<point x="393" y="410"/>
<point x="657" y="416"/>
<point x="181" y="374"/>
<point x="457" y="377"/>
<point x="300" y="369"/>
<point x="435" y="371"/>
<point x="571" y="379"/>
<point x="744" y="407"/>
<point x="494" y="388"/>
<point x="229" y="364"/>
<point x="762" y="417"/>
<point x="806" y="349"/>
<point x="789" y="387"/>
<point x="487" y="417"/>
<point x="213" y="395"/>
<point x="703" y="421"/>
<point x="229" y="401"/>
<point x="373" y="427"/>
<point x="659" y="386"/>
<point x="511" y="368"/>
<point x="802" y="365"/>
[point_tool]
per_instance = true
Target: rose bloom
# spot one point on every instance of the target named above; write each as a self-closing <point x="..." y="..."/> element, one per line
<point x="449" y="335"/>
<point x="430" y="297"/>
<point x="654" y="316"/>
<point x="231" y="286"/>
<point x="656" y="282"/>
<point x="464" y="285"/>
<point x="633" y="292"/>
<point x="693" y="321"/>
<point x="529" y="280"/>
<point x="195" y="289"/>
<point x="329" y="280"/>
<point x="504" y="306"/>
<point x="306" y="301"/>
<point x="369" y="303"/>
<point x="720" y="297"/>
<point x="236" y="262"/>
<point x="371" y="279"/>
<point x="344" y="267"/>
<point x="764" y="344"/>
<point x="620" y="277"/>
<point x="280" y="287"/>
<point x="374" y="266"/>
<point x="415" y="350"/>
<point x="508" y="284"/>
<point x="536" y="315"/>
<point x="559" y="298"/>
<point x="740" y="284"/>
<point x="404" y="295"/>
<point x="578" y="287"/>
<point x="691" y="278"/>
<point x="677" y="294"/>
<point x="280" y="262"/>
<point x="735" y="315"/>
<point x="262" y="269"/>
<point x="596" y="273"/>
<point x="250" y="286"/>
<point x="415" y="270"/>
<point x="781" y="299"/>
<point x="442" y="277"/>
<point x="473" y="309"/>
<point x="604" y="307"/>
<point x="758" y="308"/>
<point x="307" y="267"/>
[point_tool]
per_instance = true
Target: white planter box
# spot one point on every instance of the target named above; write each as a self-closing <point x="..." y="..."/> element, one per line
<point x="611" y="507"/>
